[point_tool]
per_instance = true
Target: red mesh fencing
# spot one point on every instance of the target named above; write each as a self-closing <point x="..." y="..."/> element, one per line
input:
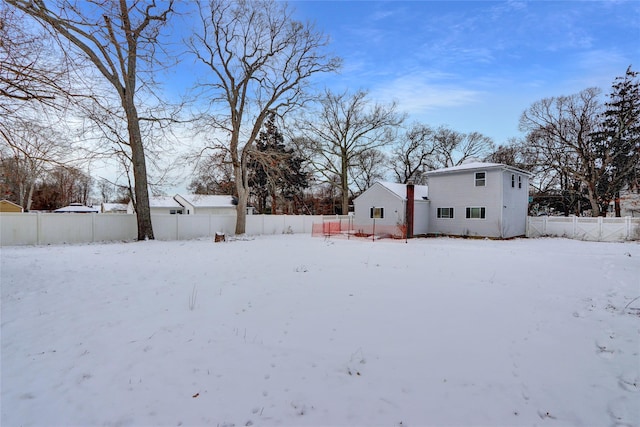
<point x="347" y="229"/>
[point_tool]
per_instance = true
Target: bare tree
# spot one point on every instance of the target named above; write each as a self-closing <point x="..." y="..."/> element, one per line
<point x="31" y="71"/>
<point x="346" y="126"/>
<point x="413" y="153"/>
<point x="120" y="39"/>
<point x="560" y="130"/>
<point x="213" y="174"/>
<point x="368" y="167"/>
<point x="26" y="151"/>
<point x="453" y="148"/>
<point x="260" y="59"/>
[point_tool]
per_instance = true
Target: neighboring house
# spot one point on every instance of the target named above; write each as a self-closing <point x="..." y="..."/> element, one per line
<point x="114" y="208"/>
<point x="77" y="208"/>
<point x="629" y="204"/>
<point x="7" y="206"/>
<point x="387" y="202"/>
<point x="198" y="204"/>
<point x="478" y="199"/>
<point x="165" y="205"/>
<point x="161" y="205"/>
<point x="192" y="204"/>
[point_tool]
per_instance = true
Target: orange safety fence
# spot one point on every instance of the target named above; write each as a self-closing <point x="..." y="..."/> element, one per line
<point x="346" y="229"/>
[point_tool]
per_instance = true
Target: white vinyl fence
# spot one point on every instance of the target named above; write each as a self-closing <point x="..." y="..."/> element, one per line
<point x="583" y="228"/>
<point x="49" y="228"/>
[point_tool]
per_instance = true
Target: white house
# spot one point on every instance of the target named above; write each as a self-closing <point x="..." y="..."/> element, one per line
<point x="386" y="202"/>
<point x="197" y="204"/>
<point x="478" y="199"/>
<point x="114" y="208"/>
<point x="161" y="205"/>
<point x="192" y="204"/>
<point x="474" y="199"/>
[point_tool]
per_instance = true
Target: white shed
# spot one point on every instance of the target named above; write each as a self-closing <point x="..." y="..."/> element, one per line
<point x="387" y="202"/>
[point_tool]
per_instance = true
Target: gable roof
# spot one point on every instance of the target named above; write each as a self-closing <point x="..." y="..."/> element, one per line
<point x="208" y="201"/>
<point x="163" y="202"/>
<point x="15" y="206"/>
<point x="476" y="166"/>
<point x="420" y="192"/>
<point x="77" y="208"/>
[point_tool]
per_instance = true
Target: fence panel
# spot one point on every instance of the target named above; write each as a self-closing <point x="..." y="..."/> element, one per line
<point x="111" y="227"/>
<point x="616" y="230"/>
<point x="222" y="224"/>
<point x="192" y="226"/>
<point x="585" y="228"/>
<point x="19" y="229"/>
<point x="66" y="228"/>
<point x="47" y="228"/>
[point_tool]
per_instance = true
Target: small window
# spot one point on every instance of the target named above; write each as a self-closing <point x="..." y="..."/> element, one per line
<point x="476" y="213"/>
<point x="445" y="213"/>
<point x="480" y="179"/>
<point x="377" y="213"/>
<point x="175" y="211"/>
<point x="519" y="181"/>
<point x="513" y="181"/>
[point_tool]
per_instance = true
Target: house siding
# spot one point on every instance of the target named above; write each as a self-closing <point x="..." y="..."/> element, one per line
<point x="381" y="197"/>
<point x="515" y="204"/>
<point x="421" y="217"/>
<point x="457" y="190"/>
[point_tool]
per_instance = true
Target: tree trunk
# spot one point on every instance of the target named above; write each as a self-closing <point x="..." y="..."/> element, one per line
<point x="243" y="194"/>
<point x="274" y="202"/>
<point x="595" y="208"/>
<point x="141" y="185"/>
<point x="344" y="185"/>
<point x="617" y="204"/>
<point x="30" y="196"/>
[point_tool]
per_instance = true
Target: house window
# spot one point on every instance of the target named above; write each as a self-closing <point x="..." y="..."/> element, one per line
<point x="377" y="213"/>
<point x="445" y="213"/>
<point x="513" y="181"/>
<point x="519" y="181"/>
<point x="175" y="211"/>
<point x="481" y="178"/>
<point x="476" y="213"/>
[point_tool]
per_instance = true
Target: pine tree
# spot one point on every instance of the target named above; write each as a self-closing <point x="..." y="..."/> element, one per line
<point x="274" y="169"/>
<point x="618" y="141"/>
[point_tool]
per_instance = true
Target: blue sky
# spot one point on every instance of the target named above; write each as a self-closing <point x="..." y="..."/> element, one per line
<point x="476" y="65"/>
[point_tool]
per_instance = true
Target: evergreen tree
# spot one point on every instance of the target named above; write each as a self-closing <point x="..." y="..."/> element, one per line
<point x="274" y="169"/>
<point x="618" y="141"/>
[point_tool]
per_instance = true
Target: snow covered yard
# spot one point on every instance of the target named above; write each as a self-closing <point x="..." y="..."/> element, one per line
<point x="294" y="330"/>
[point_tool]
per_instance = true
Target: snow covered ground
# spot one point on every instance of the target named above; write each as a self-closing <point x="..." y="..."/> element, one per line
<point x="293" y="330"/>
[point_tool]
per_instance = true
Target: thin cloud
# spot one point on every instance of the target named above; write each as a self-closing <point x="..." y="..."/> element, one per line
<point x="417" y="94"/>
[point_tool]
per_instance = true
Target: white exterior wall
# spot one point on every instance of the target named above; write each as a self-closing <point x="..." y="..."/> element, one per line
<point x="515" y="205"/>
<point x="380" y="197"/>
<point x="457" y="190"/>
<point x="421" y="217"/>
<point x="213" y="210"/>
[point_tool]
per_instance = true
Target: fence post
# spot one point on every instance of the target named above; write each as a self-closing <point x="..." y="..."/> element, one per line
<point x="38" y="228"/>
<point x="600" y="225"/>
<point x="575" y="227"/>
<point x="93" y="227"/>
